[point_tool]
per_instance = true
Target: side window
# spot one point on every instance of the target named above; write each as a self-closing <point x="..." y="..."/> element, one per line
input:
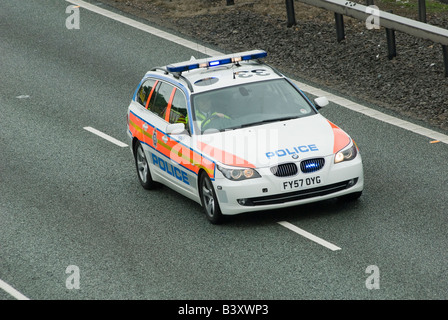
<point x="144" y="91"/>
<point x="178" y="113"/>
<point x="159" y="104"/>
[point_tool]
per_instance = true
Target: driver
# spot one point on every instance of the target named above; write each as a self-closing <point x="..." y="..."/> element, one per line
<point x="204" y="112"/>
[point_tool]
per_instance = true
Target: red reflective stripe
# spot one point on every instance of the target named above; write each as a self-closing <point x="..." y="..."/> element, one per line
<point x="224" y="156"/>
<point x="187" y="158"/>
<point x="168" y="108"/>
<point x="341" y="139"/>
<point x="150" y="94"/>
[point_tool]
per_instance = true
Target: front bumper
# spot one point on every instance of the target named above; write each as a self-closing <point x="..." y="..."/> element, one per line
<point x="267" y="192"/>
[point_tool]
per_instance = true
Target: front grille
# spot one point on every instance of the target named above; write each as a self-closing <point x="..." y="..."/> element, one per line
<point x="312" y="165"/>
<point x="284" y="170"/>
<point x="301" y="194"/>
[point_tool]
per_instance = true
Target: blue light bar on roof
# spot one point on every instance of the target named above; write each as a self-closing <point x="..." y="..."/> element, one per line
<point x="216" y="61"/>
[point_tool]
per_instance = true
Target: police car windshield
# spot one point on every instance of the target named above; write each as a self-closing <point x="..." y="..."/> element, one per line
<point x="248" y="105"/>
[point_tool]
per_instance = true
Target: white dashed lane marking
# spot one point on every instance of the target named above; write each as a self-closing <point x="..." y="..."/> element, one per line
<point x="309" y="236"/>
<point x="106" y="137"/>
<point x="16" y="294"/>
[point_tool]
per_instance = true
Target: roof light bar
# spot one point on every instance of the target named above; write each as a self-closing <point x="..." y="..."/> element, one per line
<point x="216" y="61"/>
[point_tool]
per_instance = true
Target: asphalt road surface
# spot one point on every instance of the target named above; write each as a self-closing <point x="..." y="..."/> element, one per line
<point x="71" y="204"/>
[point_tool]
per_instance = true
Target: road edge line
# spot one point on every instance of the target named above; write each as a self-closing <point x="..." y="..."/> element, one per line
<point x="343" y="102"/>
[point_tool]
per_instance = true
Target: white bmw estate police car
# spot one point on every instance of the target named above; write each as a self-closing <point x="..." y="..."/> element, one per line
<point x="235" y="135"/>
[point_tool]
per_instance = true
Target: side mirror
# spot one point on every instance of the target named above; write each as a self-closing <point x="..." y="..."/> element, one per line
<point x="175" y="128"/>
<point x="321" y="102"/>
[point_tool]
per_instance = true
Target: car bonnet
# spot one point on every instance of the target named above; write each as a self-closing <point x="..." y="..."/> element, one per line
<point x="273" y="143"/>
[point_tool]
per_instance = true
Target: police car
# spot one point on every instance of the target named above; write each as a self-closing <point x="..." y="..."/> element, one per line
<point x="235" y="135"/>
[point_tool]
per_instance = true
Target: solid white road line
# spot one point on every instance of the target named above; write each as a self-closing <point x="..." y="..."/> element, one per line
<point x="16" y="294"/>
<point x="105" y="136"/>
<point x="143" y="27"/>
<point x="308" y="235"/>
<point x="434" y="135"/>
<point x="375" y="114"/>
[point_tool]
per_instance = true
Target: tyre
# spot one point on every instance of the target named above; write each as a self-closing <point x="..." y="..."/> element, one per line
<point x="143" y="173"/>
<point x="209" y="200"/>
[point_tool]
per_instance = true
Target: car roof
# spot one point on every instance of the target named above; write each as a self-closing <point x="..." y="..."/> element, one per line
<point x="200" y="75"/>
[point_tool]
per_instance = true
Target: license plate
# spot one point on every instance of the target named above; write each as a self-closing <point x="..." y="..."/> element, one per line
<point x="301" y="183"/>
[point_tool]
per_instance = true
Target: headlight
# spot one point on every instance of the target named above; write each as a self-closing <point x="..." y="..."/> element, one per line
<point x="237" y="174"/>
<point x="346" y="154"/>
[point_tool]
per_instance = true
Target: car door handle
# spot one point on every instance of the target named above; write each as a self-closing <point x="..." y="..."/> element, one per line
<point x="145" y="126"/>
<point x="165" y="139"/>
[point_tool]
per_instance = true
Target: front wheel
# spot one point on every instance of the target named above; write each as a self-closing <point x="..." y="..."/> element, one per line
<point x="144" y="175"/>
<point x="209" y="200"/>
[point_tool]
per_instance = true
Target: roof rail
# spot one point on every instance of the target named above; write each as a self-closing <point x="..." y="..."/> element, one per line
<point x="176" y="75"/>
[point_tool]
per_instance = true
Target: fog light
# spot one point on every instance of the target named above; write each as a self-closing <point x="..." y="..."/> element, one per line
<point x="245" y="202"/>
<point x="351" y="183"/>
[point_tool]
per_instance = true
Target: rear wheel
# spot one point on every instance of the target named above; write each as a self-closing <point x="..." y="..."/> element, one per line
<point x="144" y="175"/>
<point x="209" y="200"/>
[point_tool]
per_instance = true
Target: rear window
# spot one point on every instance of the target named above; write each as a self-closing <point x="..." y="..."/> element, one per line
<point x="144" y="91"/>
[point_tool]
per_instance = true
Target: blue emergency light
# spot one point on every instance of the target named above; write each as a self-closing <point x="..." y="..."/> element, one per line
<point x="216" y="61"/>
<point x="311" y="165"/>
